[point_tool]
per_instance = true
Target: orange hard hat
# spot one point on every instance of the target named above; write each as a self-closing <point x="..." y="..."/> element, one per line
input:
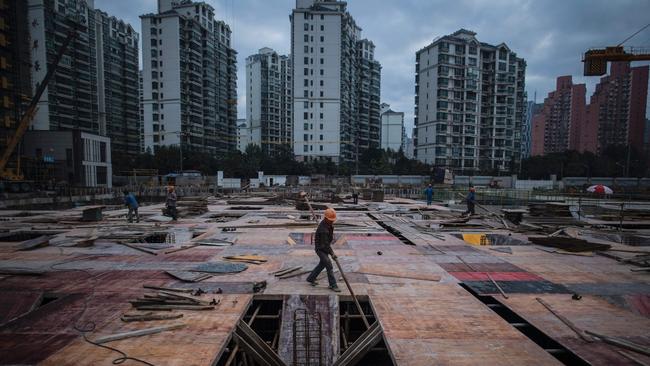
<point x="330" y="214"/>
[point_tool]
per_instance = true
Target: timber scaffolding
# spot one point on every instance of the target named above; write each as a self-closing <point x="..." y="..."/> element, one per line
<point x="547" y="284"/>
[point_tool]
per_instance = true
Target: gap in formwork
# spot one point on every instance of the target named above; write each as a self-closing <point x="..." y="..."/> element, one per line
<point x="392" y="230"/>
<point x="540" y="338"/>
<point x="20" y="236"/>
<point x="46" y="299"/>
<point x="352" y="328"/>
<point x="264" y="317"/>
<point x="245" y="208"/>
<point x="155" y="238"/>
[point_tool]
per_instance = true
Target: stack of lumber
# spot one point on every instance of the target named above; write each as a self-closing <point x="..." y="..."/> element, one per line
<point x="553" y="209"/>
<point x="172" y="300"/>
<point x="250" y="258"/>
<point x="192" y="206"/>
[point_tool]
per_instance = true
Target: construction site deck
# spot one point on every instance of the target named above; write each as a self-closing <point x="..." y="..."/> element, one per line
<point x="226" y="285"/>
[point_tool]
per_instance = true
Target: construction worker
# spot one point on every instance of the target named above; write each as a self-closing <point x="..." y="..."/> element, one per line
<point x="471" y="201"/>
<point x="323" y="246"/>
<point x="132" y="204"/>
<point x="429" y="193"/>
<point x="170" y="203"/>
<point x="355" y="197"/>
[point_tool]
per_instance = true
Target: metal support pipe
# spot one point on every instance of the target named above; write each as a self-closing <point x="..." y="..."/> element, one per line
<point x="365" y="321"/>
<point x="232" y="355"/>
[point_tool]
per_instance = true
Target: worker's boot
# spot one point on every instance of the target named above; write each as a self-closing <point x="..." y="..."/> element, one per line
<point x="335" y="288"/>
<point x="313" y="283"/>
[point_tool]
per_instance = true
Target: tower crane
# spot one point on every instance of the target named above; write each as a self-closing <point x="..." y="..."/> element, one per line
<point x="596" y="59"/>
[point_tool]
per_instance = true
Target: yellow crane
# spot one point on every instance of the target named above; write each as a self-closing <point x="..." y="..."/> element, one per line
<point x="15" y="177"/>
<point x="596" y="59"/>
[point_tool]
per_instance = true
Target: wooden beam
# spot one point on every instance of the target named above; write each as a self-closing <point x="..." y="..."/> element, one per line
<point x="137" y="333"/>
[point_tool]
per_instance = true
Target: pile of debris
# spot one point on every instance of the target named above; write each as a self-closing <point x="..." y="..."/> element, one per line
<point x="172" y="299"/>
<point x="192" y="206"/>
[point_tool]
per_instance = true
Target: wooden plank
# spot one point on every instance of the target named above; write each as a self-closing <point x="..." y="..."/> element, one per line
<point x="137" y="333"/>
<point x="497" y="285"/>
<point x="149" y="317"/>
<point x="295" y="274"/>
<point x="621" y="343"/>
<point x="405" y="276"/>
<point x="564" y="320"/>
<point x="30" y="244"/>
<point x="175" y="307"/>
<point x="150" y="287"/>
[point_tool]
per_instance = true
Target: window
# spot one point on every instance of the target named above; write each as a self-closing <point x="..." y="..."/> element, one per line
<point x="306" y="27"/>
<point x="102" y="152"/>
<point x="322" y="83"/>
<point x="306" y="71"/>
<point x="305" y="126"/>
<point x="305" y="105"/>
<point x="322" y="50"/>
<point x="305" y="148"/>
<point x="306" y="38"/>
<point x="321" y="147"/>
<point x="322" y="61"/>
<point x="154" y="63"/>
<point x="306" y="115"/>
<point x="322" y="17"/>
<point x="306" y="82"/>
<point x="322" y="72"/>
<point x="321" y="126"/>
<point x="154" y="31"/>
<point x="154" y="43"/>
<point x="322" y="38"/>
<point x="305" y="137"/>
<point x="306" y="49"/>
<point x="101" y="174"/>
<point x="306" y="60"/>
<point x="155" y="116"/>
<point x="321" y="116"/>
<point x="154" y="85"/>
<point x="322" y="27"/>
<point x="321" y="93"/>
<point x="321" y="137"/>
<point x="154" y="74"/>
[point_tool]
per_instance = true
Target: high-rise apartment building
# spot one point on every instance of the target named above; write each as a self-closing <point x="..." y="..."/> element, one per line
<point x="117" y="83"/>
<point x="95" y="87"/>
<point x="393" y="135"/>
<point x="268" y="100"/>
<point x="336" y="83"/>
<point x="470" y="103"/>
<point x="532" y="109"/>
<point x="617" y="109"/>
<point x="15" y="77"/>
<point x="189" y="78"/>
<point x="560" y="123"/>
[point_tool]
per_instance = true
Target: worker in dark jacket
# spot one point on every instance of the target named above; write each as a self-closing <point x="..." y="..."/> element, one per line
<point x="132" y="204"/>
<point x="323" y="246"/>
<point x="170" y="203"/>
<point x="471" y="202"/>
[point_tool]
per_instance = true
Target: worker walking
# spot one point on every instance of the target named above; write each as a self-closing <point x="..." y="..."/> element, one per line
<point x="355" y="197"/>
<point x="429" y="193"/>
<point x="323" y="246"/>
<point x="471" y="202"/>
<point x="170" y="203"/>
<point x="132" y="204"/>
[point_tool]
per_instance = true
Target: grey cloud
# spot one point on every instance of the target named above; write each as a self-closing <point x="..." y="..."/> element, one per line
<point x="550" y="34"/>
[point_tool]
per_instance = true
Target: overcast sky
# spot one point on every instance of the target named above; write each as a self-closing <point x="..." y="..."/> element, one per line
<point x="550" y="35"/>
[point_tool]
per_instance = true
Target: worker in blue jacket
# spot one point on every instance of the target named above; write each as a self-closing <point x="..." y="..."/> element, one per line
<point x="471" y="202"/>
<point x="132" y="204"/>
<point x="429" y="193"/>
